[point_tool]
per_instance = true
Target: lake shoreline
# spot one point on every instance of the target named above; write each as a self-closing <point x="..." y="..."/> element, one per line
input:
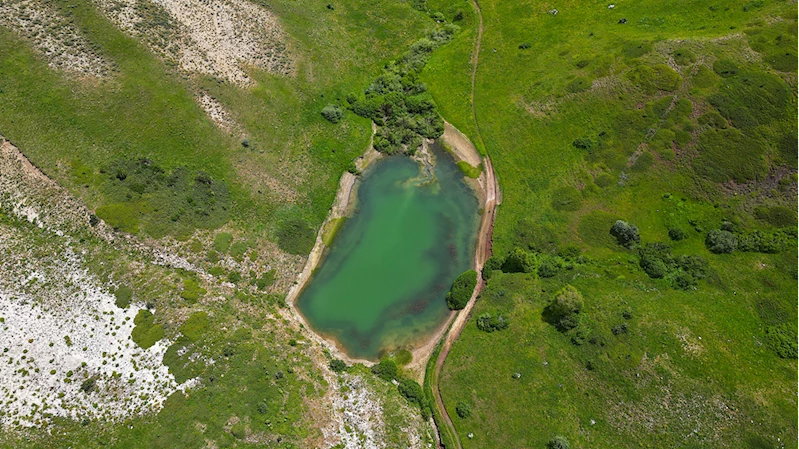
<point x="461" y="149"/>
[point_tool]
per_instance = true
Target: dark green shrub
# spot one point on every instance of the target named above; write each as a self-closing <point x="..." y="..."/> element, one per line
<point x="195" y="326"/>
<point x="88" y="385"/>
<point x="677" y="234"/>
<point x="566" y="199"/>
<point x="626" y="234"/>
<point x="239" y="430"/>
<point x="721" y="242"/>
<point x="767" y="242"/>
<point x="550" y="267"/>
<point x="234" y="277"/>
<point x="782" y="339"/>
<point x="489" y="323"/>
<point x="713" y="119"/>
<point x="463" y="410"/>
<point x="413" y="392"/>
<point x="332" y="113"/>
<point x="491" y="264"/>
<point x="386" y="370"/>
<point x="684" y="56"/>
<point x="558" y="442"/>
<point x="525" y="45"/>
<point x="562" y="311"/>
<point x="784" y="61"/>
<point x="146" y="333"/>
<point x="191" y="290"/>
<point x="578" y="84"/>
<point x="728" y="154"/>
<point x="518" y="261"/>
<point x="296" y="237"/>
<point x="725" y="68"/>
<point x="123" y="296"/>
<point x="585" y="143"/>
<point x="338" y="366"/>
<point x="461" y="290"/>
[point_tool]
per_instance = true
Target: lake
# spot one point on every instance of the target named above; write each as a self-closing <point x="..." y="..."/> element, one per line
<point x="382" y="283"/>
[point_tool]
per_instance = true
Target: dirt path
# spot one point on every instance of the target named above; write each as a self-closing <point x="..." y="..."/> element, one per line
<point x="482" y="253"/>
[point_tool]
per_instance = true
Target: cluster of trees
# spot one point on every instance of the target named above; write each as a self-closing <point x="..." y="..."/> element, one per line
<point x="726" y="241"/>
<point x="683" y="271"/>
<point x="398" y="102"/>
<point x="519" y="260"/>
<point x="489" y="322"/>
<point x="563" y="311"/>
<point x="387" y="370"/>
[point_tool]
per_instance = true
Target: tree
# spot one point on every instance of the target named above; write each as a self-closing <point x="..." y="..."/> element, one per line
<point x="721" y="242"/>
<point x="518" y="261"/>
<point x="461" y="290"/>
<point x="386" y="370"/>
<point x="332" y="113"/>
<point x="558" y="442"/>
<point x="338" y="366"/>
<point x="626" y="234"/>
<point x="562" y="311"/>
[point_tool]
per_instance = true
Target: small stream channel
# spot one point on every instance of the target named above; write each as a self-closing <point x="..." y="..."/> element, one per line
<point x="382" y="283"/>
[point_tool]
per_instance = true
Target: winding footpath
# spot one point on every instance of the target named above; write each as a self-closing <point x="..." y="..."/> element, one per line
<point x="482" y="253"/>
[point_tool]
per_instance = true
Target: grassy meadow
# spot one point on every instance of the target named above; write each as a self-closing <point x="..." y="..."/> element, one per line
<point x="681" y="120"/>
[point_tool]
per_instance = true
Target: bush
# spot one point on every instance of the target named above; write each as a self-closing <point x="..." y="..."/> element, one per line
<point x="558" y="442"/>
<point x="677" y="234"/>
<point x="550" y="267"/>
<point x="296" y="237"/>
<point x="713" y="119"/>
<point x="123" y="296"/>
<point x="644" y="161"/>
<point x="463" y="410"/>
<point x="654" y="258"/>
<point x="338" y="366"/>
<point x="782" y="339"/>
<point x="195" y="326"/>
<point x="239" y="430"/>
<point x="234" y="277"/>
<point x="626" y="234"/>
<point x="518" y="261"/>
<point x="461" y="290"/>
<point x="721" y="242"/>
<point x="566" y="199"/>
<point x="767" y="242"/>
<point x="562" y="311"/>
<point x="191" y="290"/>
<point x="332" y="113"/>
<point x="493" y="263"/>
<point x="386" y="370"/>
<point x="490" y="323"/>
<point x="585" y="143"/>
<point x="146" y="333"/>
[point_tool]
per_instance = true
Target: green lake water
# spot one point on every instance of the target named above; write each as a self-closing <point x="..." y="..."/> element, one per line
<point x="383" y="281"/>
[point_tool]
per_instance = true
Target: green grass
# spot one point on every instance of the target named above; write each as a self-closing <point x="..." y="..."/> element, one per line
<point x="571" y="159"/>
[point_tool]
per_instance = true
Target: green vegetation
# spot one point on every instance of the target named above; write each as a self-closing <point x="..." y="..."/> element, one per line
<point x="470" y="170"/>
<point x="681" y="129"/>
<point x="191" y="290"/>
<point x="296" y="237"/>
<point x="399" y="103"/>
<point x="461" y="290"/>
<point x="146" y="332"/>
<point x="195" y="326"/>
<point x="123" y="296"/>
<point x="222" y="242"/>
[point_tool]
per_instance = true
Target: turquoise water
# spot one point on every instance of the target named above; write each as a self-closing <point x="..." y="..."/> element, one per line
<point x="383" y="282"/>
